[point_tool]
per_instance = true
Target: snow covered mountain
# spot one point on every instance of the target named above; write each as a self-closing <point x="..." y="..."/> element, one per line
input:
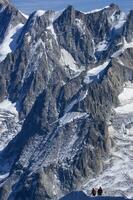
<point x="65" y="102"/>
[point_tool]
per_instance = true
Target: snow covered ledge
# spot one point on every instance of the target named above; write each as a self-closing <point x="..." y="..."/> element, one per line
<point x="9" y="123"/>
<point x="96" y="73"/>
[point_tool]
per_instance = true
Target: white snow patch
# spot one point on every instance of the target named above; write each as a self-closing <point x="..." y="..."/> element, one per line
<point x="126" y="45"/>
<point x="71" y="116"/>
<point x="39" y="13"/>
<point x="9" y="43"/>
<point x="81" y="26"/>
<point x="9" y="122"/>
<point x="96" y="10"/>
<point x="102" y="46"/>
<point x="127" y="95"/>
<point x="126" y="100"/>
<point x="3" y="176"/>
<point x="8" y="106"/>
<point x="26" y="16"/>
<point x="67" y="60"/>
<point x="29" y="38"/>
<point x="118" y="20"/>
<point x="51" y="28"/>
<point x="121" y="21"/>
<point x="95" y="72"/>
<point x="125" y="109"/>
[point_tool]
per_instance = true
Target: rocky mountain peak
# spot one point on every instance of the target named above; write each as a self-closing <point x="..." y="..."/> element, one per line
<point x="69" y="14"/>
<point x="70" y="8"/>
<point x="114" y="6"/>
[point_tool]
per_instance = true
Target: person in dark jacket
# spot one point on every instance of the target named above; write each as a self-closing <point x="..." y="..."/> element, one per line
<point x="100" y="191"/>
<point x="93" y="192"/>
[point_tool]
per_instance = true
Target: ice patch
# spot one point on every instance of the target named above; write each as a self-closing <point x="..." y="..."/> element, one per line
<point x="9" y="43"/>
<point x="67" y="60"/>
<point x="95" y="72"/>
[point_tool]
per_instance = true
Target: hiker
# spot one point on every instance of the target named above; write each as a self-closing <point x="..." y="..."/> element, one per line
<point x="93" y="192"/>
<point x="99" y="191"/>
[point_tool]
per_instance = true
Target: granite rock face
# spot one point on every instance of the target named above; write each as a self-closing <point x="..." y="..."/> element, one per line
<point x="64" y="75"/>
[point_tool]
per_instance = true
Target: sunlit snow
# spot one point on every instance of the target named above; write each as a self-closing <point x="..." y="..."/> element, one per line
<point x="4" y="176"/>
<point x="67" y="60"/>
<point x="126" y="100"/>
<point x="95" y="72"/>
<point x="126" y="45"/>
<point x="9" y="123"/>
<point x="39" y="13"/>
<point x="96" y="10"/>
<point x="9" y="43"/>
<point x="26" y="16"/>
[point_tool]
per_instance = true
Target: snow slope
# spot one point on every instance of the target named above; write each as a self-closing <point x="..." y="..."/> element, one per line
<point x="117" y="177"/>
<point x="96" y="10"/>
<point x="9" y="43"/>
<point x="95" y="72"/>
<point x="9" y="123"/>
<point x="126" y="45"/>
<point x="126" y="100"/>
<point x="67" y="60"/>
